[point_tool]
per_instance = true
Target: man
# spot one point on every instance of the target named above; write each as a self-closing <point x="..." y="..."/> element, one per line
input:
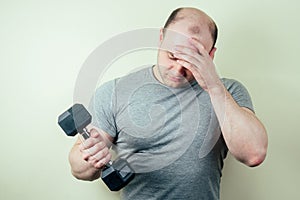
<point x="174" y="121"/>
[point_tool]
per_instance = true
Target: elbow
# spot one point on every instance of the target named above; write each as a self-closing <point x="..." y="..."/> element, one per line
<point x="258" y="152"/>
<point x="256" y="158"/>
<point x="78" y="176"/>
<point x="255" y="161"/>
<point x="85" y="177"/>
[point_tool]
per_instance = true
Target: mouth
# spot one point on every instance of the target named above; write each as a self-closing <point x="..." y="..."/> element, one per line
<point x="177" y="79"/>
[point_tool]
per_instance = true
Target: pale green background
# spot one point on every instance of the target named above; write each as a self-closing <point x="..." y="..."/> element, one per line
<point x="44" y="43"/>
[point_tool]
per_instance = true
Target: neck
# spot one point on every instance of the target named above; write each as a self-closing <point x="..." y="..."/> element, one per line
<point x="157" y="74"/>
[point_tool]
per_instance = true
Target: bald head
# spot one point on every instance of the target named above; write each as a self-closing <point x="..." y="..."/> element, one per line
<point x="196" y="15"/>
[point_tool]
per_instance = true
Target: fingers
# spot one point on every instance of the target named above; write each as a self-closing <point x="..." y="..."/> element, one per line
<point x="195" y="54"/>
<point x="98" y="155"/>
<point x="102" y="162"/>
<point x="198" y="46"/>
<point x="194" y="48"/>
<point x="190" y="62"/>
<point x="198" y="61"/>
<point x="188" y="54"/>
<point x="94" y="150"/>
<point x="185" y="50"/>
<point x="94" y="133"/>
<point x="99" y="159"/>
<point x="191" y="67"/>
<point x="187" y="65"/>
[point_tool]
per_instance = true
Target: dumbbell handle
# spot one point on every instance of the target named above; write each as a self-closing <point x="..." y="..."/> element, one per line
<point x="85" y="134"/>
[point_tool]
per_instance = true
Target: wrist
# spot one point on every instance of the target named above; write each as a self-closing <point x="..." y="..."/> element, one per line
<point x="216" y="89"/>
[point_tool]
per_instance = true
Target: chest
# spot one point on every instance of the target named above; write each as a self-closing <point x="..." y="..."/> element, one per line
<point x="156" y="125"/>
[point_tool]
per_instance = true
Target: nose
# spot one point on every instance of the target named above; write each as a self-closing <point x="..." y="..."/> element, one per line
<point x="178" y="70"/>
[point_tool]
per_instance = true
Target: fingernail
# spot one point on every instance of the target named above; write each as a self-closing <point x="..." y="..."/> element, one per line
<point x="179" y="61"/>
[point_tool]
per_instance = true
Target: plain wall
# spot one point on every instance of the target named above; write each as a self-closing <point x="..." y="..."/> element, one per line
<point x="43" y="45"/>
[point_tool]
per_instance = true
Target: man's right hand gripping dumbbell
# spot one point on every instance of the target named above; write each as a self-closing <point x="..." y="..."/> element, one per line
<point x="90" y="159"/>
<point x="93" y="152"/>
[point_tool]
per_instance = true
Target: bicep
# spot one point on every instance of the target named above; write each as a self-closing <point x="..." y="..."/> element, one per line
<point x="248" y="110"/>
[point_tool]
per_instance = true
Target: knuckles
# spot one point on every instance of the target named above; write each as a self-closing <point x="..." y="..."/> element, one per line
<point x="96" y="152"/>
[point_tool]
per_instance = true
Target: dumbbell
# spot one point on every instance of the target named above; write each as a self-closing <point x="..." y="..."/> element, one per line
<point x="115" y="174"/>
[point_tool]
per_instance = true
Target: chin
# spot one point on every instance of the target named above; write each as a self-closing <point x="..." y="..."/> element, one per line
<point x="177" y="85"/>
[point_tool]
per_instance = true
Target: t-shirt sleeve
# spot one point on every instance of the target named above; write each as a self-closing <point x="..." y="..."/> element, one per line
<point x="239" y="93"/>
<point x="101" y="108"/>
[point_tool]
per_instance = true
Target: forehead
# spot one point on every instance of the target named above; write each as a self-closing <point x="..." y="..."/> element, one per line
<point x="179" y="32"/>
<point x="191" y="26"/>
<point x="194" y="29"/>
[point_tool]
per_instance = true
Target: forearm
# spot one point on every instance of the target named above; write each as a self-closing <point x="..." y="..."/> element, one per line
<point x="80" y="168"/>
<point x="243" y="133"/>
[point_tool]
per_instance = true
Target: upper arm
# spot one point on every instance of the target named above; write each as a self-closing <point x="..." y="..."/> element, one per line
<point x="239" y="93"/>
<point x="102" y="108"/>
<point x="248" y="110"/>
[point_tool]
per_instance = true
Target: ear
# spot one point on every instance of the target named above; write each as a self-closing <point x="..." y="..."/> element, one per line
<point x="212" y="52"/>
<point x="161" y="35"/>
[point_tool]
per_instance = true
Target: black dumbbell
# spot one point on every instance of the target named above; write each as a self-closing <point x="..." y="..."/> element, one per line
<point x="115" y="174"/>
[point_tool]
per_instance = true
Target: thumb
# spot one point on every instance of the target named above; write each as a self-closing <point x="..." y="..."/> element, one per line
<point x="94" y="133"/>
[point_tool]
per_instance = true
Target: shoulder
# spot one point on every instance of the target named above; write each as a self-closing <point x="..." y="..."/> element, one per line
<point x="134" y="79"/>
<point x="128" y="81"/>
<point x="139" y="74"/>
<point x="106" y="88"/>
<point x="238" y="92"/>
<point x="233" y="85"/>
<point x="231" y="82"/>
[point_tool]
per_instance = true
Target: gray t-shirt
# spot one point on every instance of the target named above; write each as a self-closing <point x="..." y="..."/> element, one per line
<point x="170" y="136"/>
